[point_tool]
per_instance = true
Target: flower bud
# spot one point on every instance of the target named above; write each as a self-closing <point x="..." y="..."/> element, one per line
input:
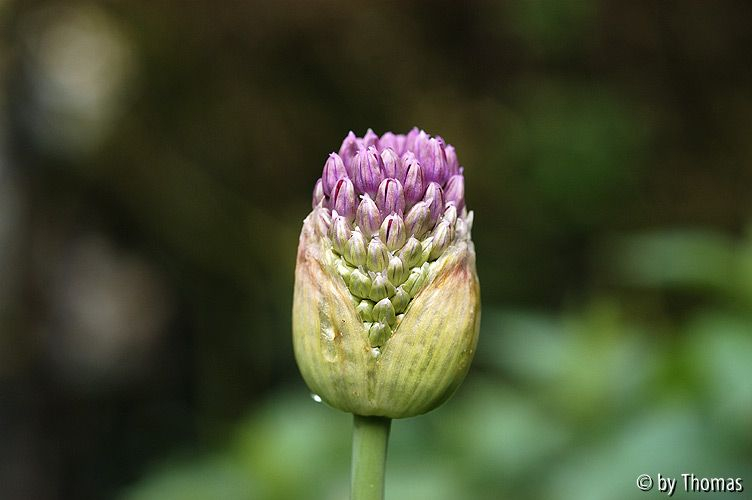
<point x="367" y="171"/>
<point x="390" y="199"/>
<point x="396" y="271"/>
<point x="450" y="214"/>
<point x="388" y="140"/>
<point x="370" y="139"/>
<point x="386" y="324"/>
<point x="410" y="253"/>
<point x="378" y="255"/>
<point x="334" y="169"/>
<point x="442" y="238"/>
<point x="355" y="250"/>
<point x="422" y="149"/>
<point x="400" y="300"/>
<point x="383" y="312"/>
<point x="394" y="141"/>
<point x="453" y="166"/>
<point x="340" y="233"/>
<point x="323" y="219"/>
<point x="343" y="198"/>
<point x="360" y="284"/>
<point x="347" y="152"/>
<point x="391" y="163"/>
<point x="414" y="185"/>
<point x="410" y="139"/>
<point x="378" y="334"/>
<point x="435" y="199"/>
<point x="393" y="232"/>
<point x="435" y="163"/>
<point x="455" y="191"/>
<point x="344" y="269"/>
<point x="368" y="217"/>
<point x="381" y="288"/>
<point x="416" y="280"/>
<point x="365" y="308"/>
<point x="417" y="219"/>
<point x="318" y="193"/>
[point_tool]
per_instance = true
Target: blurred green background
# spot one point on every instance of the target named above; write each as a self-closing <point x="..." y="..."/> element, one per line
<point x="157" y="160"/>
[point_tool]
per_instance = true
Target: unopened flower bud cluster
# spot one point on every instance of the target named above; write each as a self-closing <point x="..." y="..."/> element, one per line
<point x="388" y="207"/>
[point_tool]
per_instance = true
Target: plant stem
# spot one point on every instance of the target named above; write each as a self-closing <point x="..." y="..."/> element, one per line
<point x="370" y="438"/>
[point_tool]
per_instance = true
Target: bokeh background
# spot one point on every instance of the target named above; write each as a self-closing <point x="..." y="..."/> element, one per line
<point x="156" y="162"/>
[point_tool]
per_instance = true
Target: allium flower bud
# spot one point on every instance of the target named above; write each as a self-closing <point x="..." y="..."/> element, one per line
<point x="390" y="198"/>
<point x="383" y="312"/>
<point x="418" y="219"/>
<point x="450" y="214"/>
<point x="442" y="238"/>
<point x="411" y="252"/>
<point x="385" y="275"/>
<point x="455" y="191"/>
<point x="414" y="183"/>
<point x="435" y="162"/>
<point x="396" y="271"/>
<point x="360" y="284"/>
<point x="391" y="162"/>
<point x="322" y="220"/>
<point x="365" y="310"/>
<point x="422" y="148"/>
<point x="393" y="141"/>
<point x="400" y="300"/>
<point x="334" y="170"/>
<point x="368" y="171"/>
<point x="378" y="255"/>
<point x="368" y="217"/>
<point x="355" y="251"/>
<point x="340" y="233"/>
<point x="381" y="288"/>
<point x="435" y="199"/>
<point x="318" y="193"/>
<point x="388" y="140"/>
<point x="393" y="232"/>
<point x="347" y="152"/>
<point x="453" y="166"/>
<point x="370" y="139"/>
<point x="343" y="198"/>
<point x="410" y="139"/>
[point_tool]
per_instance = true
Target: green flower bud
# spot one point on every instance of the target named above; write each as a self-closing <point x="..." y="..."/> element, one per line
<point x="396" y="271"/>
<point x="343" y="269"/>
<point x="442" y="237"/>
<point x="378" y="255"/>
<point x="360" y="284"/>
<point x="355" y="251"/>
<point x="340" y="233"/>
<point x="416" y="280"/>
<point x="383" y="312"/>
<point x="378" y="334"/>
<point x="381" y="288"/>
<point x="410" y="253"/>
<point x="400" y="300"/>
<point x="365" y="309"/>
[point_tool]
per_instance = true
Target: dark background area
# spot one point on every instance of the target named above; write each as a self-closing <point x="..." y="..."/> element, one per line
<point x="156" y="163"/>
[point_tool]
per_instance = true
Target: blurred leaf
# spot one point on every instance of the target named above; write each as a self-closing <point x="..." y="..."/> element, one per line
<point x="201" y="479"/>
<point x="676" y="259"/>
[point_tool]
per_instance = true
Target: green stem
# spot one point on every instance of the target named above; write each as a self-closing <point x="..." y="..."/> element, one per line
<point x="370" y="438"/>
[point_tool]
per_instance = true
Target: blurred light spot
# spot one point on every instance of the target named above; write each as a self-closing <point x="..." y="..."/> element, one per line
<point x="108" y="310"/>
<point x="78" y="66"/>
